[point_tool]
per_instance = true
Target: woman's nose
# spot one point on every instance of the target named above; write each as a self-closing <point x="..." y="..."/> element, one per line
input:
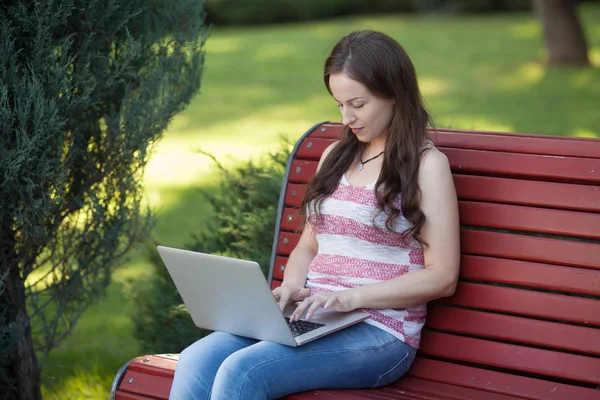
<point x="347" y="116"/>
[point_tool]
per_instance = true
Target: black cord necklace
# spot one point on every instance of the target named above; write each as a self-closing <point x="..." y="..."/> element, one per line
<point x="362" y="163"/>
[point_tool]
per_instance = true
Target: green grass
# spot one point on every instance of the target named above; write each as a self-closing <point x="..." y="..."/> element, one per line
<point x="482" y="73"/>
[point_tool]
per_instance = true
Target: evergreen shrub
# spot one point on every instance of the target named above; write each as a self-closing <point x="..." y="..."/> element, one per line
<point x="243" y="224"/>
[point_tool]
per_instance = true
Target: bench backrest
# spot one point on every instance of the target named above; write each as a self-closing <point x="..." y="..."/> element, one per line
<point x="526" y="315"/>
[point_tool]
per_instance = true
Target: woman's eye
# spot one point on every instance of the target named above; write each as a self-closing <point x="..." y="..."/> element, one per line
<point x="359" y="106"/>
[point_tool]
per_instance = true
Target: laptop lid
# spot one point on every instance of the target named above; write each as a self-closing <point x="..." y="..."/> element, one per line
<point x="226" y="294"/>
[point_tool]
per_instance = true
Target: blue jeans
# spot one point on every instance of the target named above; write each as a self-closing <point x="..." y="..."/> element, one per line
<point x="224" y="366"/>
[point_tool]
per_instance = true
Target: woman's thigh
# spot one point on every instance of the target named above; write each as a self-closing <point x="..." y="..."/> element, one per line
<point x="361" y="356"/>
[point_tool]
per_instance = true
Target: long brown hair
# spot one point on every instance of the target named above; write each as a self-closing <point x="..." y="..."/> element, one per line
<point x="383" y="66"/>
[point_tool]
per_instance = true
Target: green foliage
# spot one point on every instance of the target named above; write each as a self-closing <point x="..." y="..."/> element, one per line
<point x="86" y="88"/>
<point x="237" y="12"/>
<point x="242" y="226"/>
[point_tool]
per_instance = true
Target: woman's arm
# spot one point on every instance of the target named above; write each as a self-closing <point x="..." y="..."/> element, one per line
<point x="442" y="259"/>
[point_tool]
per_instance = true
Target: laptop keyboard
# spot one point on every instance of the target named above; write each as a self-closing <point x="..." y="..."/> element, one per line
<point x="301" y="327"/>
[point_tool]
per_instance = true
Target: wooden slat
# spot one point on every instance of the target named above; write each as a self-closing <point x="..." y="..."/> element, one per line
<point x="145" y="384"/>
<point x="514" y="272"/>
<point x="312" y="149"/>
<point x="156" y="365"/>
<point x="567" y="169"/>
<point x="505" y="245"/>
<point x="294" y="193"/>
<point x="518" y="143"/>
<point x="429" y="389"/>
<point x="496" y="141"/>
<point x="525" y="192"/>
<point x="335" y="395"/>
<point x="527" y="303"/>
<point x="530" y="248"/>
<point x="514" y="329"/>
<point x="408" y="388"/>
<point x="530" y="274"/>
<point x="302" y="171"/>
<point x="291" y="220"/>
<point x="509" y="217"/>
<point x="120" y="395"/>
<point x="512" y="357"/>
<point x="278" y="269"/>
<point x="498" y="382"/>
<point x="513" y="246"/>
<point x="327" y="131"/>
<point x="286" y="243"/>
<point x="352" y="394"/>
<point x="530" y="219"/>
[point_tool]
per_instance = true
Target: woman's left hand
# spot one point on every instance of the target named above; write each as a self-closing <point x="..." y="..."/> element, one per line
<point x="338" y="301"/>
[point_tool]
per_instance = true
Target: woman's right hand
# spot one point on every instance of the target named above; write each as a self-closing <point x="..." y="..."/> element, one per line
<point x="287" y="293"/>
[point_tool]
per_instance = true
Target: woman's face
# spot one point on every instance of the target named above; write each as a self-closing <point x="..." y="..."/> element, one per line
<point x="366" y="114"/>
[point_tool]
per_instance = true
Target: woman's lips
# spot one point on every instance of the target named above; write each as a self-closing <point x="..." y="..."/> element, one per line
<point x="356" y="131"/>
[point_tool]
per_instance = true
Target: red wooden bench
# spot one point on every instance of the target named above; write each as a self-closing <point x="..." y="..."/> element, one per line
<point x="525" y="320"/>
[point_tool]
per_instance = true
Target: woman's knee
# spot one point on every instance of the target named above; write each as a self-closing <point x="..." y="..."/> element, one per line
<point x="238" y="375"/>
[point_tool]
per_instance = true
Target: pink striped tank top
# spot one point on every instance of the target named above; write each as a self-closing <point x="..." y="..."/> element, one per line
<point x="354" y="250"/>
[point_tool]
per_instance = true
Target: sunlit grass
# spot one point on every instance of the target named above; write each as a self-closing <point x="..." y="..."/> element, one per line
<point x="483" y="73"/>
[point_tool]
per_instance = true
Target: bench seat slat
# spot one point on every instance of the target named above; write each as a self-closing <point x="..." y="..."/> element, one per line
<point x="530" y="219"/>
<point x="524" y="166"/>
<point x="510" y="300"/>
<point x="313" y="148"/>
<point x="511" y="357"/>
<point x="531" y="274"/>
<point x="566" y="196"/>
<point x="513" y="272"/>
<point x="530" y="166"/>
<point x="302" y="171"/>
<point x="157" y="364"/>
<point x="498" y="382"/>
<point x="430" y="389"/>
<point x="514" y="329"/>
<point x="409" y="388"/>
<point x="145" y="384"/>
<point x="498" y="141"/>
<point x="508" y="217"/>
<point x="286" y="242"/>
<point x="326" y="130"/>
<point x="294" y="194"/>
<point x="530" y="248"/>
<point x="517" y="143"/>
<point x="120" y="395"/>
<point x="504" y="245"/>
<point x="527" y="192"/>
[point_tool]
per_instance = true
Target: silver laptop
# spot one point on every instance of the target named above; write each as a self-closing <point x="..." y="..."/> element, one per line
<point x="231" y="295"/>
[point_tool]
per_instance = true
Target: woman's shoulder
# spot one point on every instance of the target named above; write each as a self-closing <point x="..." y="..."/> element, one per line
<point x="326" y="152"/>
<point x="433" y="161"/>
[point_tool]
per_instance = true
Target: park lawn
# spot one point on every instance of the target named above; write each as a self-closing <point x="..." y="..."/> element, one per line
<point x="476" y="72"/>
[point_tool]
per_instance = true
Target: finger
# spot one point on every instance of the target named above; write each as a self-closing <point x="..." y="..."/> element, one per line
<point x="301" y="309"/>
<point x="276" y="293"/>
<point x="329" y="302"/>
<point x="314" y="307"/>
<point x="283" y="299"/>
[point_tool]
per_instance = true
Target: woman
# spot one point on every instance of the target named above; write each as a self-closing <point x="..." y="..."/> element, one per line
<point x="381" y="234"/>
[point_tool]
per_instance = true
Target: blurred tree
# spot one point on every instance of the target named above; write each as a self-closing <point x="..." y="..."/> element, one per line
<point x="86" y="87"/>
<point x="563" y="33"/>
